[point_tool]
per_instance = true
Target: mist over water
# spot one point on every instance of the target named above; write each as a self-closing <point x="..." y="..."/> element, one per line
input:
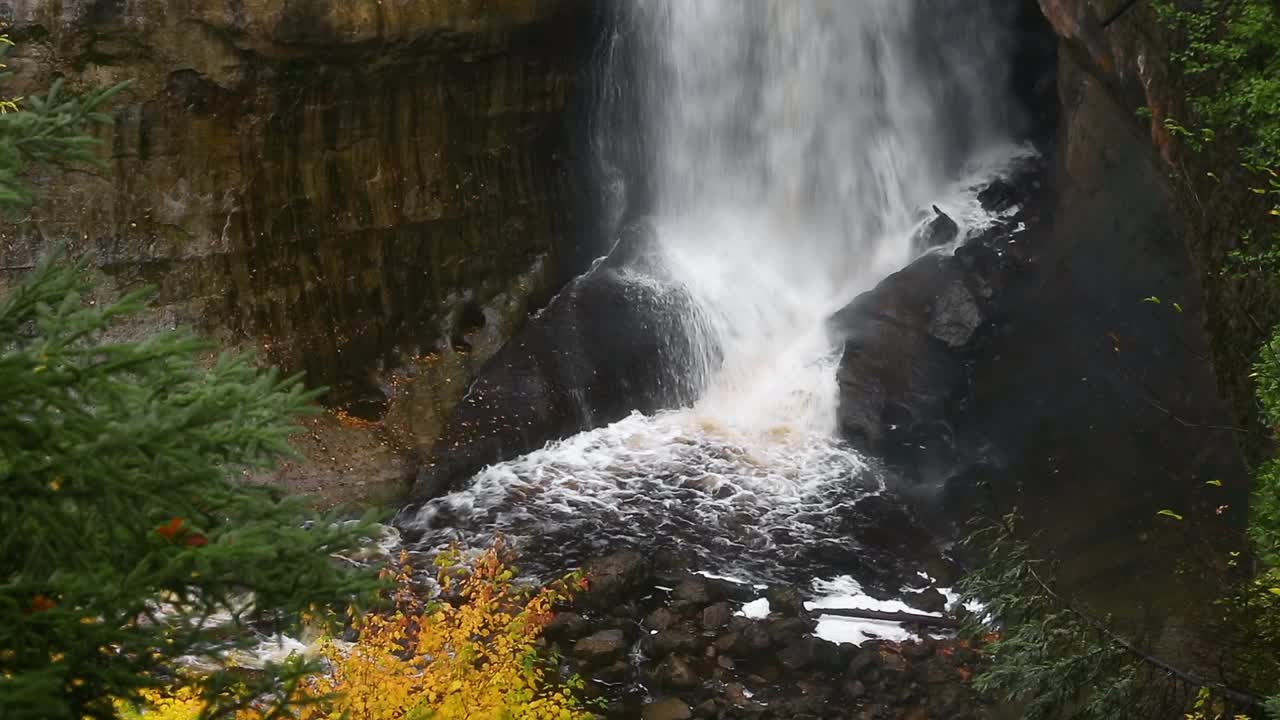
<point x="790" y="149"/>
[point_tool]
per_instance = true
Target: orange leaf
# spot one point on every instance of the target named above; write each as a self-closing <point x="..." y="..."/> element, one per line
<point x="170" y="530"/>
<point x="40" y="603"/>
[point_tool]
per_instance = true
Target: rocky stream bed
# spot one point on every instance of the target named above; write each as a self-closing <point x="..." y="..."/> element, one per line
<point x="663" y="643"/>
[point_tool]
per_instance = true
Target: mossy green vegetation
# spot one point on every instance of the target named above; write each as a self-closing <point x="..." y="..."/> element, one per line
<point x="1229" y="57"/>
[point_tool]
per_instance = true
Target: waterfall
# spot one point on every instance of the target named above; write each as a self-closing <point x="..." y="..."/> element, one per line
<point x="794" y="145"/>
<point x="783" y="153"/>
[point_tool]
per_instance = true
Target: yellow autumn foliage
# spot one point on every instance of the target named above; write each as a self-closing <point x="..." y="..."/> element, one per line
<point x="476" y="658"/>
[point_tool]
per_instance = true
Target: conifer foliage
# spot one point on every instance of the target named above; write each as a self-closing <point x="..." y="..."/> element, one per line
<point x="125" y="541"/>
<point x="48" y="128"/>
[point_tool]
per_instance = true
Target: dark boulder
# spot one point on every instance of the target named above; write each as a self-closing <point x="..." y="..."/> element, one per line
<point x="667" y="709"/>
<point x="909" y="345"/>
<point x="693" y="590"/>
<point x="676" y="672"/>
<point x="659" y="619"/>
<point x="935" y="232"/>
<point x="672" y="640"/>
<point x="568" y="626"/>
<point x="895" y="372"/>
<point x="716" y="616"/>
<point x="601" y="646"/>
<point x="785" y="600"/>
<point x="999" y="196"/>
<point x="929" y="600"/>
<point x="603" y="347"/>
<point x="613" y="579"/>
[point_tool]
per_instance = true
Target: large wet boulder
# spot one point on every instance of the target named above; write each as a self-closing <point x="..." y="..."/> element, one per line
<point x="908" y="346"/>
<point x="935" y="232"/>
<point x="880" y="394"/>
<point x="607" y="345"/>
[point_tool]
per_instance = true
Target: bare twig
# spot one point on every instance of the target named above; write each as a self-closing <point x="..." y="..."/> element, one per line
<point x="902" y="617"/>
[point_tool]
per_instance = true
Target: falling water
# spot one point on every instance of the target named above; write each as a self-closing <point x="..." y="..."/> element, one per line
<point x="790" y="150"/>
<point x="796" y="143"/>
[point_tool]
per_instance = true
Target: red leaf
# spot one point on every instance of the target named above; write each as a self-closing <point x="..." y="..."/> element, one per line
<point x="170" y="530"/>
<point x="196" y="540"/>
<point x="40" y="603"/>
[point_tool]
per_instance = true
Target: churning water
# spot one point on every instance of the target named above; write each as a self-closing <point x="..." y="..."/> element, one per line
<point x="791" y="149"/>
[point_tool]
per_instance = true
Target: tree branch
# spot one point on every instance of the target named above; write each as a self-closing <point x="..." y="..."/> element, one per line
<point x="902" y="617"/>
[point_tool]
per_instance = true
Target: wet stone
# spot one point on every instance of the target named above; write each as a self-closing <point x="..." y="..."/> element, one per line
<point x="659" y="619"/>
<point x="938" y="230"/>
<point x="613" y="673"/>
<point x="675" y="671"/>
<point x="999" y="196"/>
<point x="614" y="578"/>
<point x="567" y="625"/>
<point x="753" y="638"/>
<point x="787" y="630"/>
<point x="728" y="641"/>
<point x="736" y="694"/>
<point x="807" y="652"/>
<point x="863" y="662"/>
<point x="893" y="663"/>
<point x="716" y="616"/>
<point x="667" y="709"/>
<point x="930" y="600"/>
<point x="693" y="590"/>
<point x="602" y="645"/>
<point x="705" y="709"/>
<point x="917" y="650"/>
<point x="669" y="641"/>
<point x="785" y="601"/>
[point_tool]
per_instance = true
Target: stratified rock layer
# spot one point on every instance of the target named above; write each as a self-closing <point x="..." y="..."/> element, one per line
<point x="345" y="187"/>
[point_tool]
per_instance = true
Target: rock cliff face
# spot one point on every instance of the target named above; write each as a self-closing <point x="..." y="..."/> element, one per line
<point x="374" y="193"/>
<point x="1087" y="399"/>
<point x="1123" y="52"/>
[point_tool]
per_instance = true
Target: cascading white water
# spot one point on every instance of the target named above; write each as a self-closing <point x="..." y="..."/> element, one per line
<point x="796" y="144"/>
<point x="793" y="146"/>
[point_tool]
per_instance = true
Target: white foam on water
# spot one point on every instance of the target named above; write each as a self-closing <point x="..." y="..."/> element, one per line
<point x="678" y="480"/>
<point x="844" y="592"/>
<point x="755" y="610"/>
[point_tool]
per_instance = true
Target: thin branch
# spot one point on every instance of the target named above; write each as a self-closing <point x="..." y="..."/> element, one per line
<point x="902" y="617"/>
<point x="1187" y="423"/>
